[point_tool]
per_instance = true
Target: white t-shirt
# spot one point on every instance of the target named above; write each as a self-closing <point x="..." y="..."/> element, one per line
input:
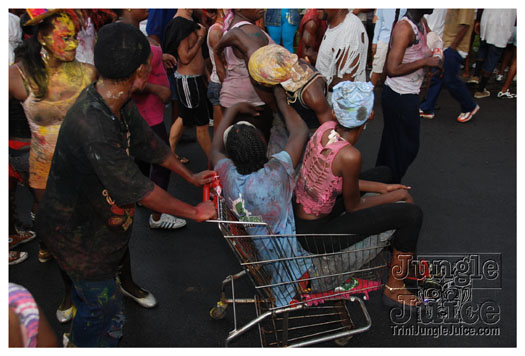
<point x="436" y="21"/>
<point x="349" y="39"/>
<point x="497" y="26"/>
<point x="15" y="36"/>
<point x="86" y="43"/>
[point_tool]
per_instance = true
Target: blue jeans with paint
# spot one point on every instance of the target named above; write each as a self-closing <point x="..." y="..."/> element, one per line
<point x="456" y="86"/>
<point x="286" y="31"/>
<point x="99" y="319"/>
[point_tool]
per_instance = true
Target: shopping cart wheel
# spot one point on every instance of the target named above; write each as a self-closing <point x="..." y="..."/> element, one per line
<point x="342" y="341"/>
<point x="218" y="312"/>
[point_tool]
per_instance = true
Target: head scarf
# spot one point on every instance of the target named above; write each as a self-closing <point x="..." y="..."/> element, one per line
<point x="353" y="103"/>
<point x="271" y="64"/>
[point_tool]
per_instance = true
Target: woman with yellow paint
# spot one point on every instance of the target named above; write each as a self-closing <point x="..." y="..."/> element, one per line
<point x="47" y="81"/>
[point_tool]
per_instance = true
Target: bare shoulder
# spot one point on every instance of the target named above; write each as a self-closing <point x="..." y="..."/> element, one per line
<point x="349" y="155"/>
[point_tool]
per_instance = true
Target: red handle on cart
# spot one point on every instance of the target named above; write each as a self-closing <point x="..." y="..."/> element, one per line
<point x="206" y="190"/>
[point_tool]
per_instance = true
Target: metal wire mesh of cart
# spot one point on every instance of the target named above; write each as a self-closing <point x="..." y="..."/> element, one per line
<point x="301" y="279"/>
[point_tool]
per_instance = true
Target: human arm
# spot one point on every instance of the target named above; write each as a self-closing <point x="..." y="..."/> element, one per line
<point x="459" y="36"/>
<point x="185" y="51"/>
<point x="160" y="200"/>
<point x="169" y="61"/>
<point x="350" y="160"/>
<point x="315" y="99"/>
<point x="402" y="36"/>
<point x="309" y="41"/>
<point x="377" y="28"/>
<point x="217" y="147"/>
<point x="164" y="93"/>
<point x="295" y="125"/>
<point x="17" y="88"/>
<point x="377" y="187"/>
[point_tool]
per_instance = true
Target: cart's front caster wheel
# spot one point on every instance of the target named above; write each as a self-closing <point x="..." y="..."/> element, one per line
<point x="218" y="312"/>
<point x="343" y="341"/>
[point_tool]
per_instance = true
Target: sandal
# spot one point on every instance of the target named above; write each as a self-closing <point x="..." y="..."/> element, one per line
<point x="389" y="302"/>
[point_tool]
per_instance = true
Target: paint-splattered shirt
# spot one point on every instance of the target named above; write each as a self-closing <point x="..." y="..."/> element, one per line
<point x="266" y="196"/>
<point x="86" y="215"/>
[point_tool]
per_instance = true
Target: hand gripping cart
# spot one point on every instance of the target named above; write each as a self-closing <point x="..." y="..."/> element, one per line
<point x="301" y="298"/>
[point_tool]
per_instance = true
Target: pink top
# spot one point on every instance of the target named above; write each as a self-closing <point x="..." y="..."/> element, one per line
<point x="150" y="105"/>
<point x="411" y="83"/>
<point x="237" y="86"/>
<point x="317" y="187"/>
<point x="24" y="306"/>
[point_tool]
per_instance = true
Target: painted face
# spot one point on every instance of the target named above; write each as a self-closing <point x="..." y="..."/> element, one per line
<point x="62" y="41"/>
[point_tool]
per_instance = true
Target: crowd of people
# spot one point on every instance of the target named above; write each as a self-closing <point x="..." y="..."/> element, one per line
<point x="288" y="93"/>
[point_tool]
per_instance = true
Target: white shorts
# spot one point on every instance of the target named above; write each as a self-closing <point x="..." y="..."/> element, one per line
<point x="379" y="57"/>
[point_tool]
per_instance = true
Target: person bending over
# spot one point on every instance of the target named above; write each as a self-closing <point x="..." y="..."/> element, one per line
<point x="231" y="56"/>
<point x="328" y="191"/>
<point x="305" y="87"/>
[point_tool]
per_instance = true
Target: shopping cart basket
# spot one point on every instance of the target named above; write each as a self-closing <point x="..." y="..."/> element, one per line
<point x="301" y="299"/>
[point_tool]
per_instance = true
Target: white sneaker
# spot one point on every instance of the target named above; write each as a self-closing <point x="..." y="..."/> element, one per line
<point x="166" y="221"/>
<point x="466" y="116"/>
<point x="499" y="77"/>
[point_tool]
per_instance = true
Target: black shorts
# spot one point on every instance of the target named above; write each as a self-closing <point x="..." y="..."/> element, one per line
<point x="192" y="94"/>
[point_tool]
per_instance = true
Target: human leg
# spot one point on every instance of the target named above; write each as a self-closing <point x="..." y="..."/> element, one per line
<point x="493" y="55"/>
<point x="455" y="85"/>
<point x="275" y="33"/>
<point x="99" y="319"/>
<point x="65" y="310"/>
<point x="400" y="138"/>
<point x="130" y="288"/>
<point x="288" y="30"/>
<point x="428" y="105"/>
<point x="510" y="76"/>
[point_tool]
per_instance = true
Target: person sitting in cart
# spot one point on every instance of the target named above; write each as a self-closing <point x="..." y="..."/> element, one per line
<point x="260" y="189"/>
<point x="330" y="187"/>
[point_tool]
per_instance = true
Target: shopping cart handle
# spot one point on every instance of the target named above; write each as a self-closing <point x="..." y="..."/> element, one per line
<point x="211" y="186"/>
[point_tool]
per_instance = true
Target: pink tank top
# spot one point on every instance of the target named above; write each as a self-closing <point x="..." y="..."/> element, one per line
<point x="411" y="83"/>
<point x="237" y="86"/>
<point x="317" y="187"/>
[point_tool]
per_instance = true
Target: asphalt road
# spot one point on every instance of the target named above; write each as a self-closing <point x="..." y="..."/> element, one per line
<point x="464" y="178"/>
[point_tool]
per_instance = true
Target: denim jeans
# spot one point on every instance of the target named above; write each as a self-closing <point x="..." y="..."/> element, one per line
<point x="284" y="32"/>
<point x="99" y="319"/>
<point x="488" y="57"/>
<point x="451" y="80"/>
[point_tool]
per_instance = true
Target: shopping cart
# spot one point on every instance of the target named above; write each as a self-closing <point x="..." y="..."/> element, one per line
<point x="301" y="299"/>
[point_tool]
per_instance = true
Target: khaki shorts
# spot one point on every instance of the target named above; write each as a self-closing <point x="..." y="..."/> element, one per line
<point x="379" y="57"/>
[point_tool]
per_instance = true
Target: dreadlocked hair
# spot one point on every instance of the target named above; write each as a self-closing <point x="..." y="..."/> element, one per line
<point x="246" y="148"/>
<point x="29" y="54"/>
